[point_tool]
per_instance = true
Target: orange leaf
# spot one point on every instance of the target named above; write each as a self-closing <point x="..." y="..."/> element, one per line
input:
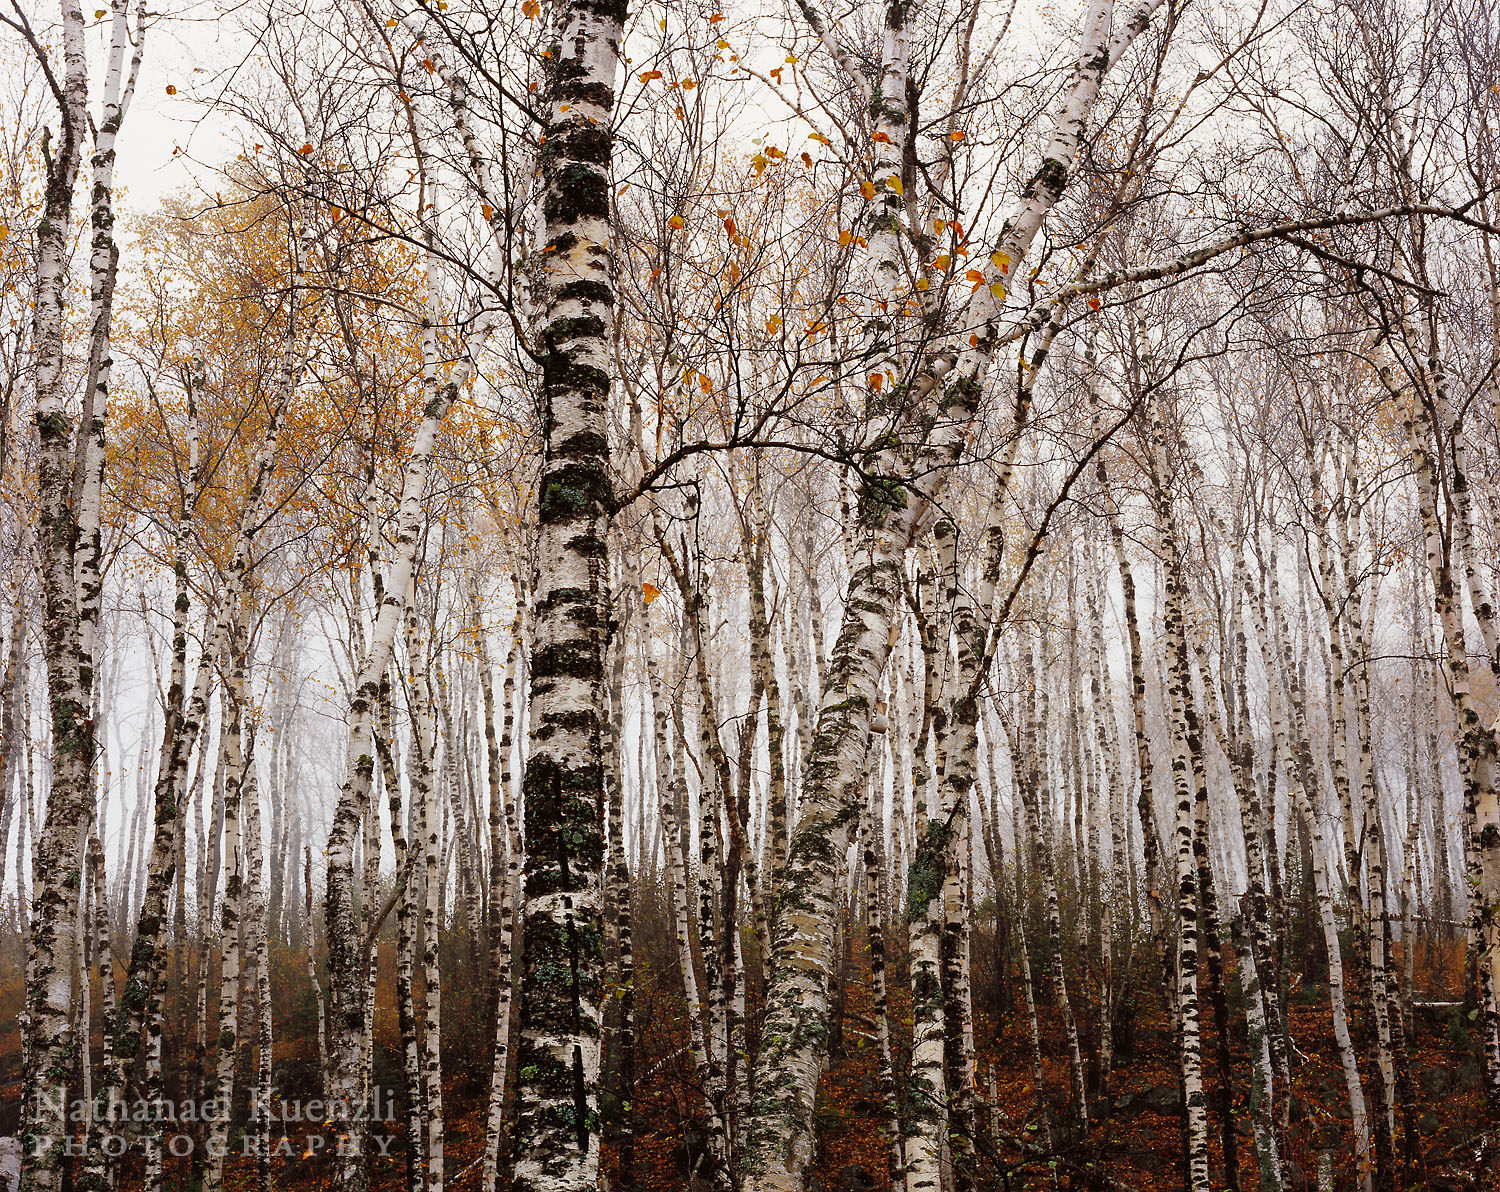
<point x="650" y="592"/>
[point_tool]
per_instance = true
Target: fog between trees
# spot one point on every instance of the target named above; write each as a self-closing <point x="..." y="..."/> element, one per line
<point x="614" y="574"/>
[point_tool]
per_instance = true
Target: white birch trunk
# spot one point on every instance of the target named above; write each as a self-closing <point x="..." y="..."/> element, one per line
<point x="557" y="1127"/>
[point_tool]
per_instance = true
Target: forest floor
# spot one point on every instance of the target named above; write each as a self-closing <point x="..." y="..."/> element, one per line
<point x="1135" y="1135"/>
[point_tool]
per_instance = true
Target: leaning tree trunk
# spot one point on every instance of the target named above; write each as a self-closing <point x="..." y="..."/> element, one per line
<point x="778" y="1141"/>
<point x="139" y="1012"/>
<point x="347" y="948"/>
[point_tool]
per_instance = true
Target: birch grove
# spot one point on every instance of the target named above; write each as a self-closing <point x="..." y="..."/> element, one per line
<point x="767" y="599"/>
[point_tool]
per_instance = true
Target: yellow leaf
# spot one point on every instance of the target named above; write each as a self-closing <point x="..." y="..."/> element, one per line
<point x="942" y="261"/>
<point x="722" y="44"/>
<point x="489" y="212"/>
<point x="675" y="223"/>
<point x="997" y="288"/>
<point x="867" y="188"/>
<point x="1000" y="260"/>
<point x="531" y="9"/>
<point x="894" y="183"/>
<point x="922" y="283"/>
<point x="648" y="75"/>
<point x="845" y="237"/>
<point x="650" y="592"/>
